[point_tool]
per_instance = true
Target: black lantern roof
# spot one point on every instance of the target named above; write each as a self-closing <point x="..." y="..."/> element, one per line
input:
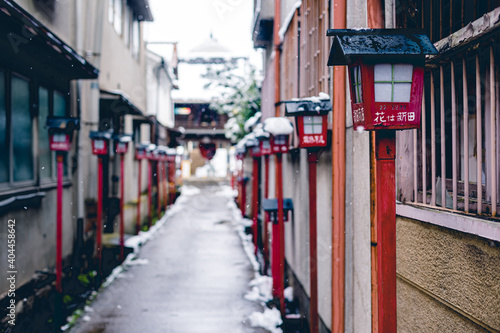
<point x="271" y="205"/>
<point x="377" y="42"/>
<point x="307" y="107"/>
<point x="106" y="135"/>
<point x="67" y="124"/>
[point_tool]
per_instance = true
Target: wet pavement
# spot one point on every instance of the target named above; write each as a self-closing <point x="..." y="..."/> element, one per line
<point x="191" y="277"/>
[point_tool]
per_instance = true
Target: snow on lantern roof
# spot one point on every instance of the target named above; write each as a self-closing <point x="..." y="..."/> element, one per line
<point x="377" y="42"/>
<point x="260" y="133"/>
<point x="252" y="121"/>
<point x="171" y="151"/>
<point x="251" y="140"/>
<point x="309" y="106"/>
<point x="278" y="126"/>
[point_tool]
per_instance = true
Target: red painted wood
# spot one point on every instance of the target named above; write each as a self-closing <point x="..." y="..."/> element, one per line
<point x="158" y="191"/>
<point x="59" y="226"/>
<point x="281" y="230"/>
<point x="386" y="229"/>
<point x="313" y="247"/>
<point x="122" y="193"/>
<point x="138" y="219"/>
<point x="99" y="216"/>
<point x="255" y="201"/>
<point x="266" y="231"/>
<point x="150" y="198"/>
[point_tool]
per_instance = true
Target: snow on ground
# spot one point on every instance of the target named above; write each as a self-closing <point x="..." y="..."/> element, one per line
<point x="269" y="319"/>
<point x="261" y="286"/>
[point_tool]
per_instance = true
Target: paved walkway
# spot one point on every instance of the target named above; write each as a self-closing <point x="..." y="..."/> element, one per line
<point x="191" y="277"/>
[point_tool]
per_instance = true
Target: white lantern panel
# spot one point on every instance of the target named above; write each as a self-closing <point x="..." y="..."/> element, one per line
<point x="403" y="72"/>
<point x="313" y="125"/>
<point x="383" y="92"/>
<point x="402" y="92"/>
<point x="383" y="72"/>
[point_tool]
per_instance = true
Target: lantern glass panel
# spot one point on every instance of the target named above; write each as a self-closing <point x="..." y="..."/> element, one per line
<point x="356" y="82"/>
<point x="99" y="144"/>
<point x="280" y="140"/>
<point x="393" y="82"/>
<point x="266" y="144"/>
<point x="313" y="124"/>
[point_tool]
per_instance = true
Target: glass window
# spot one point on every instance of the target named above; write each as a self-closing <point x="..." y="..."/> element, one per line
<point x="117" y="20"/>
<point x="44" y="153"/>
<point x="110" y="11"/>
<point x="135" y="38"/>
<point x="4" y="143"/>
<point x="356" y="82"/>
<point x="393" y="82"/>
<point x="22" y="139"/>
<point x="126" y="25"/>
<point x="59" y="104"/>
<point x="313" y="124"/>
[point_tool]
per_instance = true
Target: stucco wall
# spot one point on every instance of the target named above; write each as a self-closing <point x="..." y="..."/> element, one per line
<point x="444" y="272"/>
<point x="36" y="237"/>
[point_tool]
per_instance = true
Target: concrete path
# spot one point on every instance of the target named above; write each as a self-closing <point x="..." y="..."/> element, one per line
<point x="194" y="279"/>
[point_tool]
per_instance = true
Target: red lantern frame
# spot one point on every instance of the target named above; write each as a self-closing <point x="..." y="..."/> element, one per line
<point x="371" y="115"/>
<point x="280" y="143"/>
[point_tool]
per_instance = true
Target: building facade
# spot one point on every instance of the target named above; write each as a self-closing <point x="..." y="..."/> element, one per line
<point x="447" y="229"/>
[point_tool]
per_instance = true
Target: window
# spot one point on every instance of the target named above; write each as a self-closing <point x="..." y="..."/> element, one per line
<point x="111" y="11"/>
<point x="59" y="104"/>
<point x="22" y="162"/>
<point x="22" y="138"/>
<point x="44" y="153"/>
<point x="4" y="143"/>
<point x="356" y="82"/>
<point x="135" y="38"/>
<point x="117" y="19"/>
<point x="456" y="154"/>
<point x="313" y="124"/>
<point x="127" y="19"/>
<point x="393" y="82"/>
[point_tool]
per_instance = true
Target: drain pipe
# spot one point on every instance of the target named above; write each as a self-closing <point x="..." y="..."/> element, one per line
<point x="338" y="180"/>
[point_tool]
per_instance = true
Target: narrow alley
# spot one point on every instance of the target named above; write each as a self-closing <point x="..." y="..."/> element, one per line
<point x="191" y="277"/>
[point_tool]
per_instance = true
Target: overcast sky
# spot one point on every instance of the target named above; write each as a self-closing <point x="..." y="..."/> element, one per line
<point x="190" y="22"/>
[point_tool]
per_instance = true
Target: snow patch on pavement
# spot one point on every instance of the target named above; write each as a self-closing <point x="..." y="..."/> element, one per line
<point x="261" y="286"/>
<point x="269" y="319"/>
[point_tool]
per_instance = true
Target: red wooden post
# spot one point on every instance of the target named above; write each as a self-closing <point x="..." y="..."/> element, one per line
<point x="165" y="183"/>
<point x="158" y="191"/>
<point x="385" y="152"/>
<point x="59" y="227"/>
<point x="99" y="216"/>
<point x="122" y="193"/>
<point x="313" y="248"/>
<point x="138" y="220"/>
<point x="255" y="201"/>
<point x="281" y="234"/>
<point x="266" y="195"/>
<point x="150" y="199"/>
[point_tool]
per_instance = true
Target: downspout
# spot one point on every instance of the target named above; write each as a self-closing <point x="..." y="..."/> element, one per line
<point x="338" y="180"/>
<point x="375" y="20"/>
<point x="277" y="56"/>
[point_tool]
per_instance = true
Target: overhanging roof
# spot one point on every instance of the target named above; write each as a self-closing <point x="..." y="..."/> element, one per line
<point x="118" y="103"/>
<point x="141" y="9"/>
<point x="32" y="49"/>
<point x="377" y="42"/>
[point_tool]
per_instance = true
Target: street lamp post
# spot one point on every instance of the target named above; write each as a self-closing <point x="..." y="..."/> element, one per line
<point x="60" y="137"/>
<point x="121" y="142"/>
<point x="100" y="143"/>
<point x="280" y="129"/>
<point x="386" y="70"/>
<point x="310" y="115"/>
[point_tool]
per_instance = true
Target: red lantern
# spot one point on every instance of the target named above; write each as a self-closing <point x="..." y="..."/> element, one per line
<point x="280" y="129"/>
<point x="279" y="143"/>
<point x="61" y="132"/>
<point x="121" y="143"/>
<point x="311" y="114"/>
<point x="386" y="72"/>
<point x="140" y="151"/>
<point x="100" y="142"/>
